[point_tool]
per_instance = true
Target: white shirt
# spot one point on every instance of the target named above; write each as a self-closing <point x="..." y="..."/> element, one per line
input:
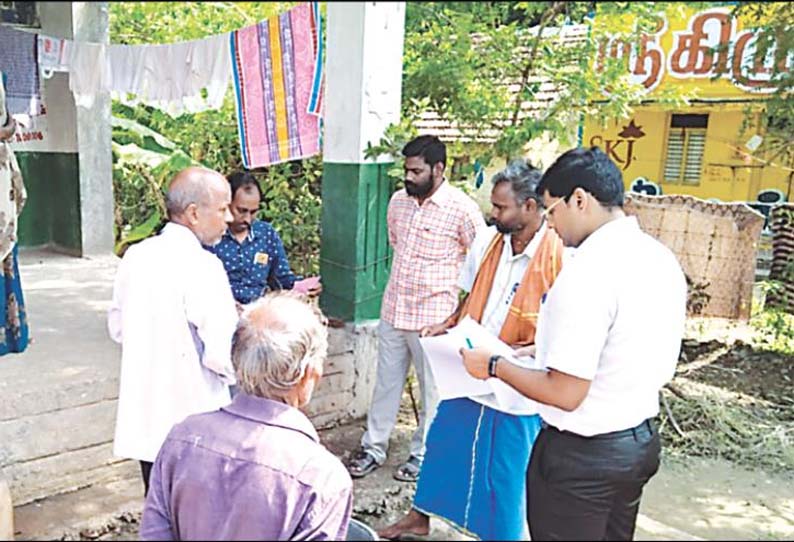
<point x="506" y="281"/>
<point x="169" y="290"/>
<point x="614" y="316"/>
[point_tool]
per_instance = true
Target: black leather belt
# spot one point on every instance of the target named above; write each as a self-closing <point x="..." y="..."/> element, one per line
<point x="643" y="427"/>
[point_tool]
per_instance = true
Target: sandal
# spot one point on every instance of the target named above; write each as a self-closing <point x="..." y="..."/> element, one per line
<point x="361" y="464"/>
<point x="409" y="471"/>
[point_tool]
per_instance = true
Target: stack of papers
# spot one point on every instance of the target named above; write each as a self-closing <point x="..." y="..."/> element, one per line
<point x="452" y="379"/>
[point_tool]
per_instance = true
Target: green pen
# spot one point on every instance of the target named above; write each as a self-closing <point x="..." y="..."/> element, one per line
<point x="468" y="343"/>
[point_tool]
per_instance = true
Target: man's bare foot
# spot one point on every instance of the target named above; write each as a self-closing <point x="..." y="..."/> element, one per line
<point x="414" y="522"/>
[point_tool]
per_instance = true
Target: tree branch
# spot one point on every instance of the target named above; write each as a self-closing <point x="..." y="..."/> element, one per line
<point x="227" y="5"/>
<point x="555" y="9"/>
<point x="670" y="416"/>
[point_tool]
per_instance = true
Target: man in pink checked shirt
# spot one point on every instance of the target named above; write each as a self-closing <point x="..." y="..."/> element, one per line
<point x="431" y="226"/>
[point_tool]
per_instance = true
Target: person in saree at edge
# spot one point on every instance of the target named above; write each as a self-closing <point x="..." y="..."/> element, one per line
<point x="474" y="471"/>
<point x="12" y="308"/>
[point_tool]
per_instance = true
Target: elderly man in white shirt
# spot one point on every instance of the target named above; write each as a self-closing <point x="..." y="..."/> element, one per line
<point x="174" y="315"/>
<point x="607" y="342"/>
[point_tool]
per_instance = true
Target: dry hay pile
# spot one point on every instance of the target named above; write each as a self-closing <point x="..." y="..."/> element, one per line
<point x="732" y="402"/>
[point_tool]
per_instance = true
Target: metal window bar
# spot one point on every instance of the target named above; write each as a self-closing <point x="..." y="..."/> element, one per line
<point x="695" y="146"/>
<point x="684" y="158"/>
<point x="675" y="156"/>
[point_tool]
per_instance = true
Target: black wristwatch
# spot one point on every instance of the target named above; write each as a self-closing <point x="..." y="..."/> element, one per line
<point x="492" y="365"/>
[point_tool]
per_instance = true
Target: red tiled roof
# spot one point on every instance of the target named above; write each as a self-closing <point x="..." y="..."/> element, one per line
<point x="431" y="123"/>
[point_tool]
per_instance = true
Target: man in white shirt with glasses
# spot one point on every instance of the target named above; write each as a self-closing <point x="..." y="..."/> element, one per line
<point x="608" y="338"/>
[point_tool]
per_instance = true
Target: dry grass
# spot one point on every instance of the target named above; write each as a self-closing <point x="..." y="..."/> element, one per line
<point x="718" y="410"/>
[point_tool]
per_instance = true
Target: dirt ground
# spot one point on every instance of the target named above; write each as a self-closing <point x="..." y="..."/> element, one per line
<point x="731" y="400"/>
<point x="707" y="496"/>
<point x="712" y="499"/>
<point x="761" y="374"/>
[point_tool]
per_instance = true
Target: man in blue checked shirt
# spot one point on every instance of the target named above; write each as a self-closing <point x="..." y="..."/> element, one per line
<point x="251" y="250"/>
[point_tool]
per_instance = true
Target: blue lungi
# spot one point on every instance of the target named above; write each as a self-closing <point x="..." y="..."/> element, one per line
<point x="474" y="471"/>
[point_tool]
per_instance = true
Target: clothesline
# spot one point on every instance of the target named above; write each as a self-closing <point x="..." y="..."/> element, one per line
<point x="315" y="7"/>
<point x="276" y="65"/>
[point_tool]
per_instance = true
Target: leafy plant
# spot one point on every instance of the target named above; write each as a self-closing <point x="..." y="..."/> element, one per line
<point x="774" y="326"/>
<point x="773" y="23"/>
<point x="478" y="65"/>
<point x="459" y="59"/>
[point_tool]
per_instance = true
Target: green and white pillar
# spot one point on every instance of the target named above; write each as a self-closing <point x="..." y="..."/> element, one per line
<point x="363" y="91"/>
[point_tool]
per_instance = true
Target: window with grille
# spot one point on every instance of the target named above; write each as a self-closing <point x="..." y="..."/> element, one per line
<point x="685" y="144"/>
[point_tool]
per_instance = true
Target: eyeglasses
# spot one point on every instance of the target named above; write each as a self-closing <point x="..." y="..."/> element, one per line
<point x="547" y="210"/>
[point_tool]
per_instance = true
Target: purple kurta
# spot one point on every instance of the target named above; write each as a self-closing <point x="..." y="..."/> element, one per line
<point x="253" y="470"/>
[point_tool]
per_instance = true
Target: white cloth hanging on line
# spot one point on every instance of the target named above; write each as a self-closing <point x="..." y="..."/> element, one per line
<point x="186" y="77"/>
<point x="172" y="77"/>
<point x="89" y="74"/>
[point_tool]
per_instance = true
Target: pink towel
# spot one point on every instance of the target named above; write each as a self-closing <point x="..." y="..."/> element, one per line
<point x="274" y="67"/>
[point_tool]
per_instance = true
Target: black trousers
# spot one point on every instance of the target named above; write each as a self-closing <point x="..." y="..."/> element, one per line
<point x="146" y="471"/>
<point x="581" y="488"/>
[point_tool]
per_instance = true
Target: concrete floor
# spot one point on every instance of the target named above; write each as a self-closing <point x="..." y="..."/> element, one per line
<point x="58" y="408"/>
<point x="66" y="300"/>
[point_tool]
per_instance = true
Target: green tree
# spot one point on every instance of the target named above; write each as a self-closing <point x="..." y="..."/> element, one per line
<point x="474" y="64"/>
<point x="477" y="64"/>
<point x="773" y="24"/>
<point x="133" y="23"/>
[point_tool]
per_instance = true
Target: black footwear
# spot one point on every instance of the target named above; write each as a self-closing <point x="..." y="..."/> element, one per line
<point x="362" y="464"/>
<point x="409" y="471"/>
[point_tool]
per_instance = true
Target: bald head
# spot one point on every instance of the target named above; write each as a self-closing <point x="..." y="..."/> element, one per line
<point x="198" y="198"/>
<point x="191" y="185"/>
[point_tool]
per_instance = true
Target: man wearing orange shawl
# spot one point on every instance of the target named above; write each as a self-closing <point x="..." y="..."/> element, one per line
<point x="477" y="452"/>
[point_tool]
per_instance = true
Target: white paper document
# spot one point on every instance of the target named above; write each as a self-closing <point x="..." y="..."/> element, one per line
<point x="452" y="381"/>
<point x="450" y="375"/>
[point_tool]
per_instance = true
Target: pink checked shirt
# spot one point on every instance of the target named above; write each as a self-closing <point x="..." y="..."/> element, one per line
<point x="430" y="243"/>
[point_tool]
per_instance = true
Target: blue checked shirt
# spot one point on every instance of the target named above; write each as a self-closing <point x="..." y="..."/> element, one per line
<point x="258" y="262"/>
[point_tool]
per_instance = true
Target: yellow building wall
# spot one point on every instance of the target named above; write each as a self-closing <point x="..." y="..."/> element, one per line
<point x="725" y="175"/>
<point x="676" y="53"/>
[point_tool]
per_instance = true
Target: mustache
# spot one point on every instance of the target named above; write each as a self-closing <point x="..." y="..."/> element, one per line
<point x="501" y="228"/>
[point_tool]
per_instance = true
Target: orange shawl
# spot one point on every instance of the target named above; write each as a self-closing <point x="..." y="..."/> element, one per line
<point x="521" y="321"/>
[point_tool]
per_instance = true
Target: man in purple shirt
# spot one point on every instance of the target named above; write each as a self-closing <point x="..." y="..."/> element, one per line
<point x="255" y="470"/>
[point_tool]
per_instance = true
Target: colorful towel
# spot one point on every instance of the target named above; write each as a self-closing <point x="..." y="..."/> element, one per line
<point x="316" y="100"/>
<point x="18" y="59"/>
<point x="274" y="67"/>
